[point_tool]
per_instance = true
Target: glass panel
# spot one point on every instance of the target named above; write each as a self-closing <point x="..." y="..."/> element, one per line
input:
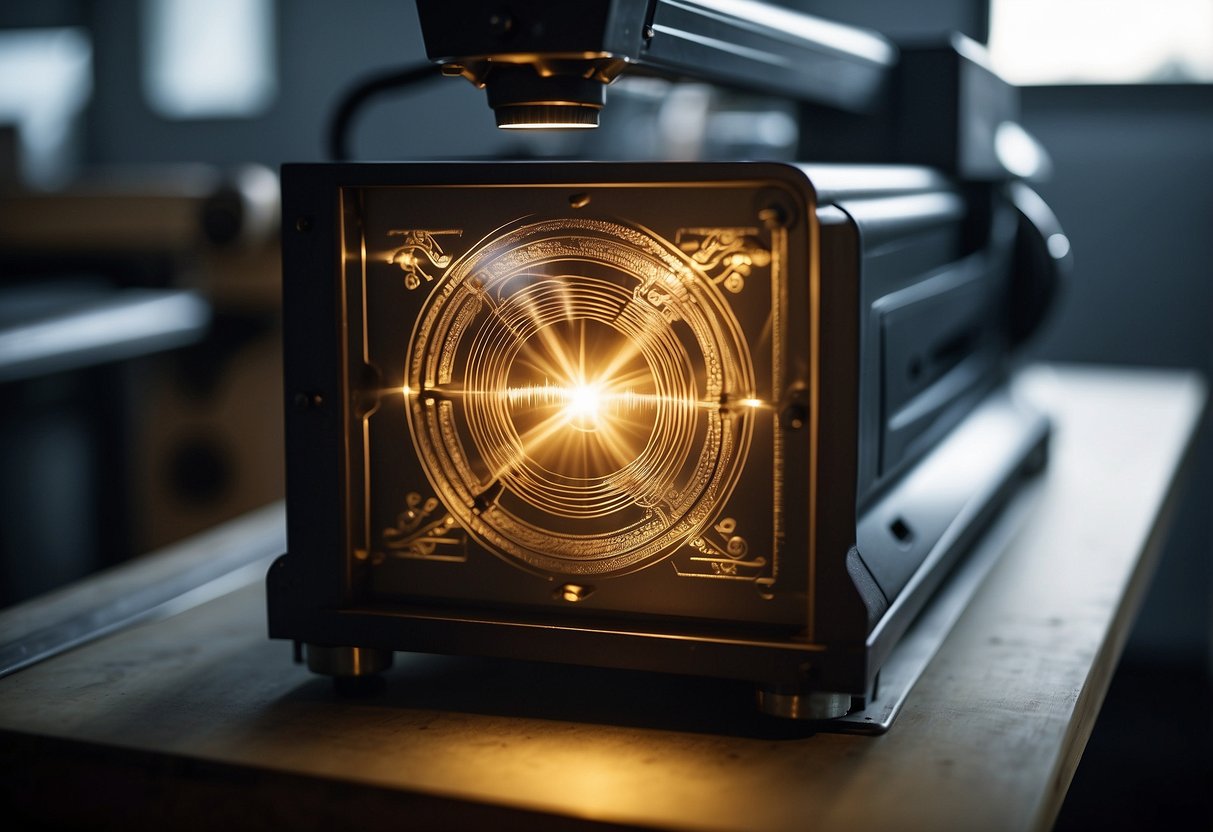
<point x="568" y="394"/>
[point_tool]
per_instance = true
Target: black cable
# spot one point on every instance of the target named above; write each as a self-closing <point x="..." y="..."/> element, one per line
<point x="353" y="100"/>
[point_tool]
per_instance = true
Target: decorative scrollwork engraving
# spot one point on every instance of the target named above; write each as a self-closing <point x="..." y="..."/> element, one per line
<point x="722" y="553"/>
<point x="727" y="255"/>
<point x="423" y="533"/>
<point x="419" y="247"/>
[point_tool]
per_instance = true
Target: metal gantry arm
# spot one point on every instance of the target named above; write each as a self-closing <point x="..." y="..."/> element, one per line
<point x="546" y="63"/>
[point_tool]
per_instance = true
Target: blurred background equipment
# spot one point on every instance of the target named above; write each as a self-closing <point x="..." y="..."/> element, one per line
<point x="139" y="356"/>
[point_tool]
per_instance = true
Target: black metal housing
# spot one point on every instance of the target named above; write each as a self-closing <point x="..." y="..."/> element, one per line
<point x="759" y="47"/>
<point x="895" y="351"/>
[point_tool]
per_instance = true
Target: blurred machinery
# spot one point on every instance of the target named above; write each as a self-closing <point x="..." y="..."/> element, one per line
<point x="140" y="359"/>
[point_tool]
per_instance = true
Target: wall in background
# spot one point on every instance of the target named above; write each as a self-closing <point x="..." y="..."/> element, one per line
<point x="322" y="48"/>
<point x="1132" y="189"/>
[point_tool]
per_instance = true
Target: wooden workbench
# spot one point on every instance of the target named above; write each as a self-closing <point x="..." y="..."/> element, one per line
<point x="198" y="720"/>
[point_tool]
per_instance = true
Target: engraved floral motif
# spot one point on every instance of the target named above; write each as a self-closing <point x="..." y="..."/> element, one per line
<point x="421" y="532"/>
<point x="419" y="248"/>
<point x="724" y="554"/>
<point x="727" y="255"/>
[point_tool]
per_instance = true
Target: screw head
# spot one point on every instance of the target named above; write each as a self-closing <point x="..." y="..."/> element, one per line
<point x="307" y="401"/>
<point x="794" y="417"/>
<point x="775" y="208"/>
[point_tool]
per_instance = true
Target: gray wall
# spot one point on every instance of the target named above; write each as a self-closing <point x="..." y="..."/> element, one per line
<point x="322" y="48"/>
<point x="1133" y="188"/>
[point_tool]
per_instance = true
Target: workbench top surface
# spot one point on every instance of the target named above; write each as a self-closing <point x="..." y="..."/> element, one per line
<point x="199" y="717"/>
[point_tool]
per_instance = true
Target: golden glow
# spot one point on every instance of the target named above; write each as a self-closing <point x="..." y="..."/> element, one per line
<point x="595" y="411"/>
<point x="583" y="403"/>
<point x="751" y="402"/>
<point x="406" y="391"/>
<point x="574" y="592"/>
<point x="548" y="125"/>
<point x="571" y="383"/>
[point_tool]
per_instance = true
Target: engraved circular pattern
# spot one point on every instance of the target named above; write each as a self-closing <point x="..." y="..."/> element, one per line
<point x="567" y="387"/>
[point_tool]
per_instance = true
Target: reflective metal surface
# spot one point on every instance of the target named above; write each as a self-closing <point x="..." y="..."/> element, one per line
<point x="347" y="661"/>
<point x="155" y="586"/>
<point x="813" y="705"/>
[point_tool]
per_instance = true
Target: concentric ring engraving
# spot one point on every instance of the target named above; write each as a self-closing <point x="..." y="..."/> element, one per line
<point x="571" y="394"/>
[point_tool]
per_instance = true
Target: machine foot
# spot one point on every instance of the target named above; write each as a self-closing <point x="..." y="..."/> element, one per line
<point x="347" y="662"/>
<point x="811" y="705"/>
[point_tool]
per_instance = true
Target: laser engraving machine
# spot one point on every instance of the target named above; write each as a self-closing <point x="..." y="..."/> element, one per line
<point x="733" y="420"/>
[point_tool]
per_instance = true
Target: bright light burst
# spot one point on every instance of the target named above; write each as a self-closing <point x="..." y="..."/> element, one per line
<point x="595" y="410"/>
<point x="583" y="404"/>
<point x="570" y="396"/>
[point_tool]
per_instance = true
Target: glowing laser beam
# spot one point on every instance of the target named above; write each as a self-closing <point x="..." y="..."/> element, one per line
<point x="585" y="398"/>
